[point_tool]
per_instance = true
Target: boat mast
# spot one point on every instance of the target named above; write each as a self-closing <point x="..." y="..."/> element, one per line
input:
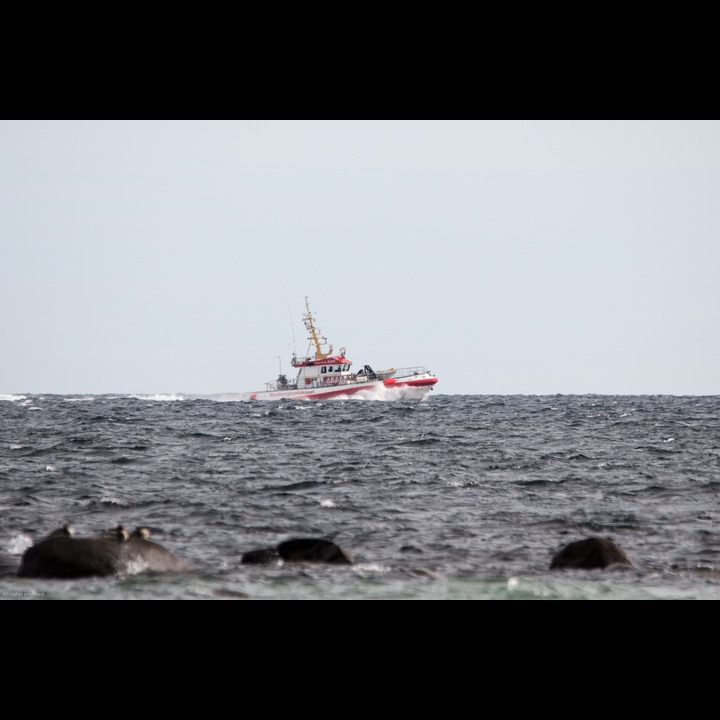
<point x="314" y="335"/>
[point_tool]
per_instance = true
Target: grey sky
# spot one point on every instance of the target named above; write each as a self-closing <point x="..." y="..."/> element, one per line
<point x="508" y="257"/>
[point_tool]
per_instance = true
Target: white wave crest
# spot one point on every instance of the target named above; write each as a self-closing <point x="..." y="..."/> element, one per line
<point x="383" y="393"/>
<point x="19" y="544"/>
<point x="160" y="397"/>
<point x="111" y="500"/>
<point x="221" y="397"/>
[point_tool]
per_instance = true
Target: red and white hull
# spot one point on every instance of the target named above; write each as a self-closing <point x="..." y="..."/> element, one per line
<point x="414" y="387"/>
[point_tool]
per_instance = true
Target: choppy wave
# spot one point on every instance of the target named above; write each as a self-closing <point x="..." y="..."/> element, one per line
<point x="453" y="497"/>
<point x="160" y="397"/>
<point x="23" y="399"/>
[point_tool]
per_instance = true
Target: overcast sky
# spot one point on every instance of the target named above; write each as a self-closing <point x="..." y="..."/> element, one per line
<point x="507" y="257"/>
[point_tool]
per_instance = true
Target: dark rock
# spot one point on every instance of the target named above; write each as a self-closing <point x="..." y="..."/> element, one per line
<point x="265" y="556"/>
<point x="590" y="553"/>
<point x="60" y="555"/>
<point x="314" y="550"/>
<point x="301" y="550"/>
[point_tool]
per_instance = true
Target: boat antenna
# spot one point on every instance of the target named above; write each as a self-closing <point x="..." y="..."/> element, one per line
<point x="293" y="349"/>
<point x="292" y="330"/>
<point x="279" y="357"/>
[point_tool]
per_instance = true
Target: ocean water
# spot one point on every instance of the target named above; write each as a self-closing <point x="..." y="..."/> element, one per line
<point x="452" y="497"/>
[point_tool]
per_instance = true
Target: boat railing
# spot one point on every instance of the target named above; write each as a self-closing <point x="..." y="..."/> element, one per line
<point x="297" y="361"/>
<point x="280" y="385"/>
<point x="349" y="378"/>
<point x="410" y="371"/>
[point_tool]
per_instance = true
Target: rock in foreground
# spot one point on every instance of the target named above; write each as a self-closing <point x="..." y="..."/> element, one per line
<point x="115" y="552"/>
<point x="589" y="554"/>
<point x="301" y="550"/>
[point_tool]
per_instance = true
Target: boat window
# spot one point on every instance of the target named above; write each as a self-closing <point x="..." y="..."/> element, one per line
<point x="324" y="369"/>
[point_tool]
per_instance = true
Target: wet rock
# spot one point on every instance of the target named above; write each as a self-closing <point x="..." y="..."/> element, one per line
<point x="114" y="552"/>
<point x="265" y="556"/>
<point x="314" y="550"/>
<point x="301" y="550"/>
<point x="590" y="553"/>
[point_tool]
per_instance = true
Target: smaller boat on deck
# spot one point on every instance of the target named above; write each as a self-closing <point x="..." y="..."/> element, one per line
<point x="323" y="374"/>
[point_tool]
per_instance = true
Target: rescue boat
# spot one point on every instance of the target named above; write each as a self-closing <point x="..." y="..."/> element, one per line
<point x="323" y="374"/>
